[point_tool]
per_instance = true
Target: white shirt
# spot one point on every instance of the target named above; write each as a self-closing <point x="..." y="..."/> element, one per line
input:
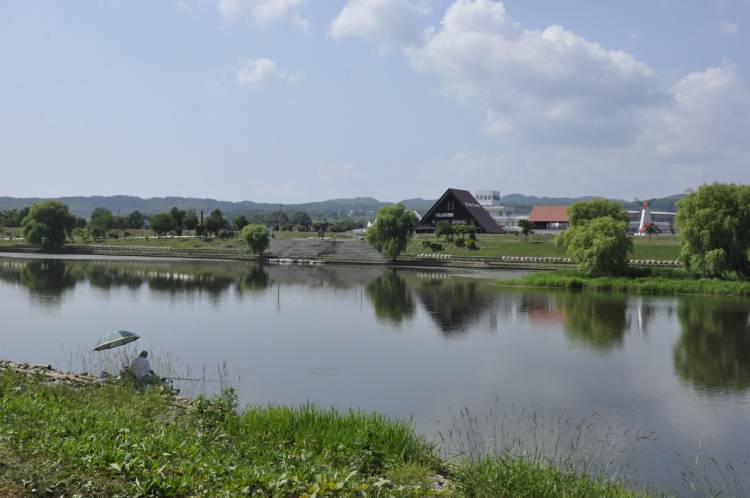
<point x="140" y="367"/>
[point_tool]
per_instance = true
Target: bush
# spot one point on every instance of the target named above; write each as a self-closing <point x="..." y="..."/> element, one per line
<point x="599" y="246"/>
<point x="436" y="246"/>
<point x="426" y="244"/>
<point x="460" y="242"/>
<point x="714" y="226"/>
<point x="472" y="245"/>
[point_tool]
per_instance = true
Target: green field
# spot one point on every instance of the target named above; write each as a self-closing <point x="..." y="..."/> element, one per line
<point x="664" y="248"/>
<point x="116" y="440"/>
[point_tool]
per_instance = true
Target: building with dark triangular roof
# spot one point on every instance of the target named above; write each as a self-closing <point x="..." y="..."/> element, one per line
<point x="458" y="207"/>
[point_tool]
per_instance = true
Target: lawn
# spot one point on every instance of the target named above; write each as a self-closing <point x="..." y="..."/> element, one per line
<point x="664" y="248"/>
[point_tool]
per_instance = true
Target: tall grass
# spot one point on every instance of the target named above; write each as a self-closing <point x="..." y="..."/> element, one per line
<point x="112" y="440"/>
<point x="118" y="440"/>
<point x="537" y="454"/>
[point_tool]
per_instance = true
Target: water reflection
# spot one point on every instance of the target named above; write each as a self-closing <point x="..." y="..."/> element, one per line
<point x="455" y="304"/>
<point x="46" y="280"/>
<point x="596" y="320"/>
<point x="391" y="298"/>
<point x="713" y="351"/>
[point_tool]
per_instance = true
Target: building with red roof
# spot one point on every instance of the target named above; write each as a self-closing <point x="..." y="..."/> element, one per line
<point x="549" y="217"/>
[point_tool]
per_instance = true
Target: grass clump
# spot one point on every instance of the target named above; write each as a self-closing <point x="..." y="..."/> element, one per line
<point x="116" y="440"/>
<point x="643" y="281"/>
<point x="509" y="477"/>
<point x="113" y="440"/>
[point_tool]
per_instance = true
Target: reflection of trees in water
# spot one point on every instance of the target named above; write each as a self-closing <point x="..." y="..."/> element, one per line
<point x="103" y="277"/>
<point x="255" y="280"/>
<point x="455" y="304"/>
<point x="391" y="298"/>
<point x="597" y="320"/>
<point x="47" y="280"/>
<point x="713" y="351"/>
<point x="181" y="283"/>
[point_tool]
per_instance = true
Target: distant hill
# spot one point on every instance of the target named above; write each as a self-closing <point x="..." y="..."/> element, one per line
<point x="334" y="208"/>
<point x="359" y="207"/>
<point x="526" y="202"/>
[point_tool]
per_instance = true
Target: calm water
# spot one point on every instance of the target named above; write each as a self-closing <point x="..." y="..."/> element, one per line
<point x="413" y="343"/>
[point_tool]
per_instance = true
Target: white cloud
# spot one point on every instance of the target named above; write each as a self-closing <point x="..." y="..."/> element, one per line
<point x="729" y="28"/>
<point x="265" y="12"/>
<point x="385" y="22"/>
<point x="253" y="72"/>
<point x="545" y="85"/>
<point x="707" y="118"/>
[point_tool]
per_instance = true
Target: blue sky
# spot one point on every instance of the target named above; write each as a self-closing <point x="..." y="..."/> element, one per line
<point x="300" y="100"/>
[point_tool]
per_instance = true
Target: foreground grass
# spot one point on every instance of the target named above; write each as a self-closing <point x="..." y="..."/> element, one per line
<point x="660" y="248"/>
<point x="114" y="440"/>
<point x="644" y="281"/>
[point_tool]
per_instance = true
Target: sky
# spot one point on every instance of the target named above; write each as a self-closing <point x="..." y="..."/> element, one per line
<point x="303" y="100"/>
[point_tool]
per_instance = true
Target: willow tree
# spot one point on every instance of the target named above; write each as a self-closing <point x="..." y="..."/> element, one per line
<point x="393" y="229"/>
<point x="48" y="224"/>
<point x="714" y="224"/>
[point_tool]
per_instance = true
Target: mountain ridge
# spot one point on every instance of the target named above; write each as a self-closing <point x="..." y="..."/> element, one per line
<point x="364" y="207"/>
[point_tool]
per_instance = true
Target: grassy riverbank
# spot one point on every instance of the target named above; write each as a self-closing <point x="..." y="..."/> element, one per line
<point x="114" y="440"/>
<point x="661" y="248"/>
<point x="644" y="281"/>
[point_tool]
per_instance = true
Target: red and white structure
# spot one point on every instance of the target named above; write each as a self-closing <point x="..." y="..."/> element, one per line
<point x="647" y="225"/>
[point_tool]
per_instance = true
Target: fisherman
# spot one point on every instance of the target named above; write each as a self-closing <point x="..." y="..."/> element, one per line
<point x="140" y="368"/>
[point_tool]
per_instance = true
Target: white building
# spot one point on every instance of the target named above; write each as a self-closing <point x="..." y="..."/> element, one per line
<point x="504" y="216"/>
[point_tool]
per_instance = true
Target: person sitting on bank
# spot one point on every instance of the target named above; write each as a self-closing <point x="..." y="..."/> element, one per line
<point x="140" y="368"/>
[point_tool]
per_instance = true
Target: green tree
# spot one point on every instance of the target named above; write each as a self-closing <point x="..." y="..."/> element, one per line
<point x="300" y="218"/>
<point x="216" y="222"/>
<point x="527" y="228"/>
<point x="599" y="246"/>
<point x="443" y="228"/>
<point x="178" y="216"/>
<point x="581" y="212"/>
<point x="161" y="223"/>
<point x="120" y="222"/>
<point x="136" y="220"/>
<point x="714" y="226"/>
<point x="191" y="219"/>
<point x="393" y="229"/>
<point x="241" y="222"/>
<point x="256" y="237"/>
<point x="47" y="224"/>
<point x="102" y="219"/>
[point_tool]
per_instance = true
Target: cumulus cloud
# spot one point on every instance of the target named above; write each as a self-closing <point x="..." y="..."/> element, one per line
<point x="265" y="12"/>
<point x="549" y="84"/>
<point x="707" y="118"/>
<point x="253" y="72"/>
<point x="729" y="28"/>
<point x="386" y="22"/>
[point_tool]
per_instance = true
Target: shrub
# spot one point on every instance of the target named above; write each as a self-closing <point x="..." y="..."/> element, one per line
<point x="436" y="246"/>
<point x="460" y="242"/>
<point x="472" y="245"/>
<point x="599" y="246"/>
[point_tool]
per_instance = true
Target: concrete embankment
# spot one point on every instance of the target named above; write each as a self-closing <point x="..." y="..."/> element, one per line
<point x="329" y="251"/>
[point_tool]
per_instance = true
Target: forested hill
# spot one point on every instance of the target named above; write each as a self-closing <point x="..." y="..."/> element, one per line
<point x="363" y="207"/>
<point x="334" y="208"/>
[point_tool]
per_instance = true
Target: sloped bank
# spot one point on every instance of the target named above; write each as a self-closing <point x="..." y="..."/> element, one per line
<point x="78" y="436"/>
<point x="332" y="252"/>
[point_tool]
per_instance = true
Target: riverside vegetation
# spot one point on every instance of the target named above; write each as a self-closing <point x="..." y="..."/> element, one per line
<point x="116" y="439"/>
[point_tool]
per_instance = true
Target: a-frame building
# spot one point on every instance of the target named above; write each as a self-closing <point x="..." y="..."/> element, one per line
<point x="458" y="207"/>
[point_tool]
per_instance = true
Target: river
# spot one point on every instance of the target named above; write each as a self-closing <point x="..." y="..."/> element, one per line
<point x="648" y="386"/>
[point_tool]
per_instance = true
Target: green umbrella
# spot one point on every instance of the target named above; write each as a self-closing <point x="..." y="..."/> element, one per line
<point x="116" y="339"/>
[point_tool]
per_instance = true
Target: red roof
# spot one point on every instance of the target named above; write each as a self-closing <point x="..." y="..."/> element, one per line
<point x="541" y="214"/>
